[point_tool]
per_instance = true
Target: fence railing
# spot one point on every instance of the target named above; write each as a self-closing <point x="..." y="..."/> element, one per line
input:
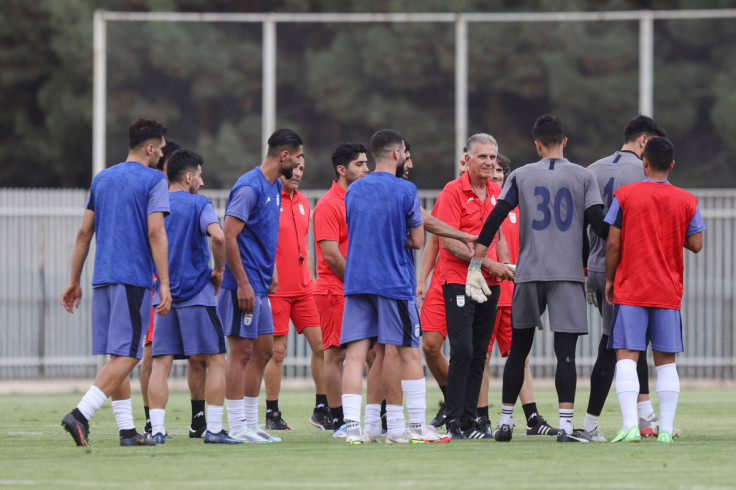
<point x="38" y="339"/>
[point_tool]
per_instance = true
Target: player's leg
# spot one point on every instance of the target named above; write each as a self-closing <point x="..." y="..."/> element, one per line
<point x="272" y="377"/>
<point x="601" y="377"/>
<point x="197" y="379"/>
<point x="483" y="423"/>
<point x="566" y="379"/>
<point x="281" y="310"/>
<point x="352" y="387"/>
<point x="629" y="338"/>
<point x="666" y="337"/>
<point x="158" y="393"/>
<point x="434" y="332"/>
<point x="330" y="309"/>
<point x="307" y="322"/>
<point x="377" y="391"/>
<point x="536" y="425"/>
<point x="214" y="393"/>
<point x="145" y="371"/>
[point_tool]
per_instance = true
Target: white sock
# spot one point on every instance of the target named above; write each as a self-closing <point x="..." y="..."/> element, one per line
<point x="351" y="407"/>
<point x="591" y="423"/>
<point x="123" y="411"/>
<point x="646" y="410"/>
<point x="395" y="421"/>
<point x="251" y="411"/>
<point x="668" y="391"/>
<point x="91" y="402"/>
<point x="214" y="418"/>
<point x="415" y="392"/>
<point x="157" y="420"/>
<point x="507" y="416"/>
<point x="372" y="419"/>
<point x="235" y="415"/>
<point x="627" y="389"/>
<point x="566" y="419"/>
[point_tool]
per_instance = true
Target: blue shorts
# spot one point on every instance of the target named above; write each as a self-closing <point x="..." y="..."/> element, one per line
<point x="188" y="330"/>
<point x="634" y="326"/>
<point x="383" y="320"/>
<point x="120" y="316"/>
<point x="238" y="324"/>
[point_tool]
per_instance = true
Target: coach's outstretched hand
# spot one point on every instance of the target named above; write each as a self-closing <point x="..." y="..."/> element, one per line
<point x="475" y="284"/>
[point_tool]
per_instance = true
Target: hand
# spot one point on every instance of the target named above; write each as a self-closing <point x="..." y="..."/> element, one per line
<point x="216" y="279"/>
<point x="421" y="292"/>
<point x="590" y="295"/>
<point x="475" y="284"/>
<point x="609" y="292"/>
<point x="163" y="308"/>
<point x="71" y="296"/>
<point x="274" y="285"/>
<point x="501" y="271"/>
<point x="246" y="298"/>
<point x="471" y="244"/>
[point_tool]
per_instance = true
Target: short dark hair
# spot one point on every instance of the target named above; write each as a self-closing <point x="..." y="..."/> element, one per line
<point x="659" y="152"/>
<point x="143" y="130"/>
<point x="181" y="162"/>
<point x="407" y="145"/>
<point x="346" y="153"/>
<point x="548" y="130"/>
<point x="169" y="148"/>
<point x="642" y="125"/>
<point x="384" y="142"/>
<point x="283" y="139"/>
<point x="505" y="163"/>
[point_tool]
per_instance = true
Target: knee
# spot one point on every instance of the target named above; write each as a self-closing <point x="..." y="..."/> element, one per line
<point x="431" y="348"/>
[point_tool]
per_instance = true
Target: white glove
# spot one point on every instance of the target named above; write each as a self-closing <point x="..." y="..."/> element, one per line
<point x="590" y="295"/>
<point x="475" y="284"/>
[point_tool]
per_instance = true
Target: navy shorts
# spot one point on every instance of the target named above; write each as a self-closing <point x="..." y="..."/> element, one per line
<point x="120" y="316"/>
<point x="245" y="325"/>
<point x="384" y="320"/>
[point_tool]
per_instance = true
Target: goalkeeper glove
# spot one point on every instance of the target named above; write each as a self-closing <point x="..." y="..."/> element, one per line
<point x="475" y="284"/>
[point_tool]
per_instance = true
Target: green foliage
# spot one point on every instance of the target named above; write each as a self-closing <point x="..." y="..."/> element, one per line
<point x="340" y="82"/>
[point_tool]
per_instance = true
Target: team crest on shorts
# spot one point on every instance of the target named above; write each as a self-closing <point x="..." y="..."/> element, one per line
<point x="301" y="209"/>
<point x="416" y="330"/>
<point x="460" y="299"/>
<point x="512" y="217"/>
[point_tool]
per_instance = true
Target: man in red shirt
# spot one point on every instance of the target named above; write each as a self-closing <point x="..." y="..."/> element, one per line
<point x="293" y="300"/>
<point x="331" y="234"/>
<point x="464" y="204"/>
<point x="651" y="221"/>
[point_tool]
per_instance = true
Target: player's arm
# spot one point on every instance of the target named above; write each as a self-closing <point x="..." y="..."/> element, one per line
<point x="415" y="238"/>
<point x="613" y="257"/>
<point x="491" y="227"/>
<point x="502" y="248"/>
<point x="429" y="258"/>
<point x="595" y="217"/>
<point x="72" y="294"/>
<point x="274" y="281"/>
<point x="438" y="227"/>
<point x="214" y="230"/>
<point x="246" y="295"/>
<point x="694" y="243"/>
<point x="333" y="257"/>
<point x="160" y="251"/>
<point x="459" y="250"/>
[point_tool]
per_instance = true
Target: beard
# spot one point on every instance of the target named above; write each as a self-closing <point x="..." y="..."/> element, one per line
<point x="400" y="171"/>
<point x="288" y="173"/>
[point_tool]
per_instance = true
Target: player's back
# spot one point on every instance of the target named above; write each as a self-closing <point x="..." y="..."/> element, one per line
<point x="122" y="198"/>
<point x="378" y="209"/>
<point x="621" y="168"/>
<point x="189" y="269"/>
<point x="552" y="196"/>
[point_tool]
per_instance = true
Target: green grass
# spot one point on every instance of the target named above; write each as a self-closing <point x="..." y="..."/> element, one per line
<point x="36" y="452"/>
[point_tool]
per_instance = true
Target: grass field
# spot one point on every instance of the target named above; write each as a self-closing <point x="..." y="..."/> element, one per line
<point x="36" y="452"/>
